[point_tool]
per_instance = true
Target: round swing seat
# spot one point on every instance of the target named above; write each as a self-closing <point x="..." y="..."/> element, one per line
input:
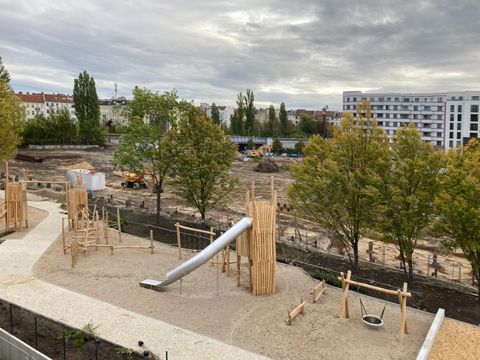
<point x="372" y="320"/>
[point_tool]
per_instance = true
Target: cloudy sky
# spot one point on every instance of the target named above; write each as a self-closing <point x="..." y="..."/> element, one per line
<point x="302" y="52"/>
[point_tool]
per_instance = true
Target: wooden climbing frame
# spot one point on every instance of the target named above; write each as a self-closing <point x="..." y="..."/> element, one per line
<point x="402" y="294"/>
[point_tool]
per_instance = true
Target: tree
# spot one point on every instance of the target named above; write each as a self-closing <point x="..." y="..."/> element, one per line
<point x="11" y="121"/>
<point x="410" y="187"/>
<point x="283" y="119"/>
<point x="236" y="123"/>
<point x="240" y="113"/>
<point x="146" y="147"/>
<point x="87" y="109"/>
<point x="4" y="75"/>
<point x="300" y="147"/>
<point x="337" y="184"/>
<point x="306" y="125"/>
<point x="249" y="108"/>
<point x="270" y="125"/>
<point x="203" y="161"/>
<point x="215" y="114"/>
<point x="277" y="146"/>
<point x="458" y="204"/>
<point x="250" y="144"/>
<point x="58" y="128"/>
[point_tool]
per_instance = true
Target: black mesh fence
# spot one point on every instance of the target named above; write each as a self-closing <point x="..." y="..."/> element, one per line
<point x="59" y="341"/>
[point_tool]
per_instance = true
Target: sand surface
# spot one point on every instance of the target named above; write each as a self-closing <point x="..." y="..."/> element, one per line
<point x="456" y="341"/>
<point x="35" y="216"/>
<point x="236" y="317"/>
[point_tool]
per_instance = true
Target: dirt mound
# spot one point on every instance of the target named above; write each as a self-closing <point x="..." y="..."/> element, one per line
<point x="267" y="166"/>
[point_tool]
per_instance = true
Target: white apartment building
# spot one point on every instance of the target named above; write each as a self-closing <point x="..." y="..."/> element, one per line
<point x="444" y="119"/>
<point x="41" y="103"/>
<point x="225" y="112"/>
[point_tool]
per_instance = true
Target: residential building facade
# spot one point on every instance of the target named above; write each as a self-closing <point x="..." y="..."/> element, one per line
<point x="443" y="119"/>
<point x="45" y="104"/>
<point x="225" y="112"/>
<point x="113" y="111"/>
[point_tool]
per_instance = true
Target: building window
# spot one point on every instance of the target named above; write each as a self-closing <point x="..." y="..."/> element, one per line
<point x="452" y="117"/>
<point x="459" y="108"/>
<point x="474" y="127"/>
<point x="415" y="108"/>
<point x="389" y="99"/>
<point x="372" y="99"/>
<point x="460" y="98"/>
<point x="452" y="126"/>
<point x="459" y="117"/>
<point x="475" y="97"/>
<point x="439" y="108"/>
<point x="439" y="99"/>
<point x="439" y="143"/>
<point x="474" y="117"/>
<point x="473" y="135"/>
<point x="397" y="99"/>
<point x="406" y="99"/>
<point x="459" y="126"/>
<point x="354" y="99"/>
<point x="450" y="143"/>
<point x="474" y="108"/>
<point x="451" y="134"/>
<point x="427" y="108"/>
<point x="459" y="135"/>
<point x="381" y="99"/>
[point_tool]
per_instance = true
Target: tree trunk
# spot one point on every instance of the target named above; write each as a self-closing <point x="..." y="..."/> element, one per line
<point x="355" y="253"/>
<point x="410" y="270"/>
<point x="158" y="188"/>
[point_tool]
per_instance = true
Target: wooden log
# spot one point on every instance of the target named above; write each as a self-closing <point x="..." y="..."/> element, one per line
<point x="373" y="287"/>
<point x="119" y="225"/>
<point x="211" y="232"/>
<point x="151" y="241"/>
<point x="299" y="309"/>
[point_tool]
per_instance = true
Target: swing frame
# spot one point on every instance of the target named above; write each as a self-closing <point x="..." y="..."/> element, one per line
<point x="402" y="298"/>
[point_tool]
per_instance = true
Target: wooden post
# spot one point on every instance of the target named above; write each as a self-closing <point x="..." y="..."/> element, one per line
<point x="106" y="228"/>
<point x="211" y="240"/>
<point x="179" y="241"/>
<point x="6" y="195"/>
<point x="151" y="241"/>
<point x="119" y="226"/>
<point x="64" y="241"/>
<point x="239" y="259"/>
<point x="345" y="286"/>
<point x="370" y="251"/>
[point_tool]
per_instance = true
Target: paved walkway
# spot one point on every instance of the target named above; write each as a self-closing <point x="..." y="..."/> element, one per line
<point x="17" y="285"/>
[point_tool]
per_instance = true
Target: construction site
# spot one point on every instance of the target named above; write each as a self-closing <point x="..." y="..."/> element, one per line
<point x="214" y="290"/>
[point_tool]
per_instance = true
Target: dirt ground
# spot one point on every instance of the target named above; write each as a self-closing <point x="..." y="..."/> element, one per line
<point x="55" y="164"/>
<point x="456" y="341"/>
<point x="254" y="323"/>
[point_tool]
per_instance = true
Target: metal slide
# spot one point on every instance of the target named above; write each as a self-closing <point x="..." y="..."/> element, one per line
<point x="202" y="257"/>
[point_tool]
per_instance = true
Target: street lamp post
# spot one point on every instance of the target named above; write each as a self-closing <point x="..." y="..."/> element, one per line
<point x="324" y="109"/>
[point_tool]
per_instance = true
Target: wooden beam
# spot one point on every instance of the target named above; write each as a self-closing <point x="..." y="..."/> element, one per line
<point x="373" y="287"/>
<point x="197" y="230"/>
<point x="318" y="291"/>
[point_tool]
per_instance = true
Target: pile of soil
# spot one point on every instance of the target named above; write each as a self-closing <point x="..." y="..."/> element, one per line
<point x="267" y="166"/>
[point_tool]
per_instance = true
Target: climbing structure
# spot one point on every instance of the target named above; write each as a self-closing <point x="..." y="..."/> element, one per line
<point x="258" y="243"/>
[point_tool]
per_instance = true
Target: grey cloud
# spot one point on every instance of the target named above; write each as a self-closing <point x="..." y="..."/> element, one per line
<point x="304" y="53"/>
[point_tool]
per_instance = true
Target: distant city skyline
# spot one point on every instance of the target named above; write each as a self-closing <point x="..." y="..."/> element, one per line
<point x="303" y="54"/>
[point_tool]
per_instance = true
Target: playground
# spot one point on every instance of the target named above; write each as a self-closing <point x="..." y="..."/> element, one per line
<point x="234" y="316"/>
<point x="241" y="298"/>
